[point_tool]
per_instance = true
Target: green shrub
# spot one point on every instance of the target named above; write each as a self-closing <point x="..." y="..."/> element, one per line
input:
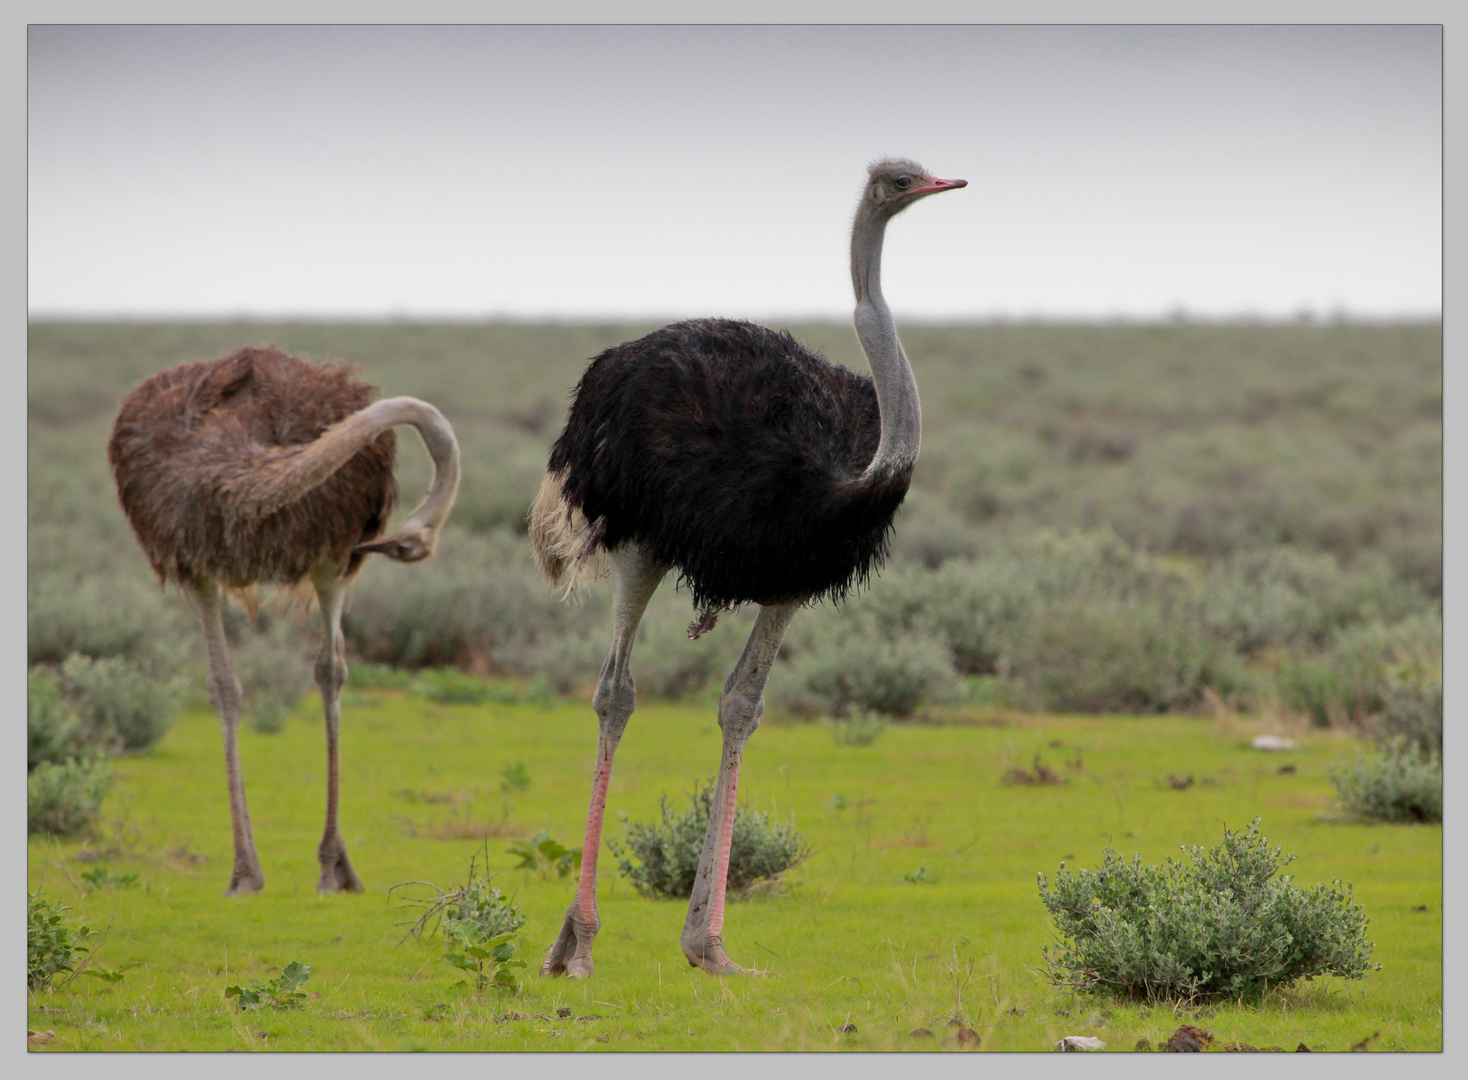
<point x="475" y="903"/>
<point x="1411" y="711"/>
<point x="117" y="615"/>
<point x="1114" y="655"/>
<point x="546" y="854"/>
<point x="54" y="732"/>
<point x="364" y="676"/>
<point x="1222" y="927"/>
<point x="859" y="728"/>
<point x="929" y="532"/>
<point x="52" y="947"/>
<point x="487" y="960"/>
<point x="64" y="799"/>
<point x="275" y="661"/>
<point x="1284" y="597"/>
<point x="1372" y="675"/>
<point x="115" y="696"/>
<point x="668" y="851"/>
<point x="846" y="662"/>
<point x="1399" y="784"/>
<point x="449" y="686"/>
<point x="281" y="992"/>
<point x="478" y="603"/>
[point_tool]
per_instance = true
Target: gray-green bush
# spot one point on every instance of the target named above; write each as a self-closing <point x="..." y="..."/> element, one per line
<point x="68" y="772"/>
<point x="119" y="700"/>
<point x="1279" y="486"/>
<point x="274" y="659"/>
<point x="1221" y="926"/>
<point x="54" y="731"/>
<point x="667" y="851"/>
<point x="1399" y="784"/>
<point x="64" y="799"/>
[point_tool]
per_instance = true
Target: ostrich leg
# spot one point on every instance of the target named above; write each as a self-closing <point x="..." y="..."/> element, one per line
<point x="740" y="708"/>
<point x="331" y="673"/>
<point x="635" y="577"/>
<point x="225" y="694"/>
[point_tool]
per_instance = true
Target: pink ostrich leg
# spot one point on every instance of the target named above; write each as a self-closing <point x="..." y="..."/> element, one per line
<point x="740" y="708"/>
<point x="635" y="576"/>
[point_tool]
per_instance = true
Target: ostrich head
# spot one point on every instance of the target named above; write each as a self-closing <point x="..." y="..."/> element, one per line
<point x="896" y="183"/>
<point x="408" y="544"/>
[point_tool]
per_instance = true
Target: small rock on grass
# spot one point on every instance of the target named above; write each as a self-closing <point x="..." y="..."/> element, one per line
<point x="964" y="1036"/>
<point x="1073" y="1044"/>
<point x="1188" y="1040"/>
<point x="1272" y="742"/>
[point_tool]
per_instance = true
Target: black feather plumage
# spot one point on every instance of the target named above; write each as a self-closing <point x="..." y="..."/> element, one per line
<point x="735" y="455"/>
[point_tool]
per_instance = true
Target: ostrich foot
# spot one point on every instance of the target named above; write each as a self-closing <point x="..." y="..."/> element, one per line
<point x="571" y="953"/>
<point x="707" y="952"/>
<point x="337" y="874"/>
<point x="246" y="879"/>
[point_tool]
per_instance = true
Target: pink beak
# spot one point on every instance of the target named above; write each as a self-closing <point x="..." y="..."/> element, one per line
<point x="938" y="185"/>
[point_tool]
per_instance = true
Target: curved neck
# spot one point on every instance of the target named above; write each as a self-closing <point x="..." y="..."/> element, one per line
<point x="299" y="470"/>
<point x="897" y="393"/>
<point x="443" y="450"/>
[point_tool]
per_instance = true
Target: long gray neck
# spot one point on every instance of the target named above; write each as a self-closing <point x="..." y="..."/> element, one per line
<point x="897" y="393"/>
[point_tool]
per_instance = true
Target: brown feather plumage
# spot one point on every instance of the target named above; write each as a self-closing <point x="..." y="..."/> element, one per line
<point x="187" y="440"/>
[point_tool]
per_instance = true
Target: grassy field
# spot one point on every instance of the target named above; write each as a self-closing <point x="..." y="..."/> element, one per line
<point x="847" y="941"/>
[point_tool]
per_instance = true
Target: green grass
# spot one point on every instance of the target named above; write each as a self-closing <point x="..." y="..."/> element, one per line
<point x="848" y="940"/>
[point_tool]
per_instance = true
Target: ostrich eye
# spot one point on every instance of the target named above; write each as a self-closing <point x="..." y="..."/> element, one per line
<point x="902" y="183"/>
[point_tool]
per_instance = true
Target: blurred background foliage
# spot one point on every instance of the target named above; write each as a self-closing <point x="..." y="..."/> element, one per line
<point x="1105" y="518"/>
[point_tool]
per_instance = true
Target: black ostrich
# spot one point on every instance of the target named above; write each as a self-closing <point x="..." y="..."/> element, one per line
<point x="764" y="474"/>
<point x="260" y="468"/>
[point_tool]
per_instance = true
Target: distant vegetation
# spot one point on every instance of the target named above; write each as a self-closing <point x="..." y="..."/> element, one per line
<point x="1104" y="519"/>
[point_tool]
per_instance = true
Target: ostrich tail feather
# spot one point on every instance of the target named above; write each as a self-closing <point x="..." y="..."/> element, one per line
<point x="568" y="548"/>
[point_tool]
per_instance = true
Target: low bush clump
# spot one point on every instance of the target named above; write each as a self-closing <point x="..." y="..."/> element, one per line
<point x="364" y="676"/>
<point x="54" y="732"/>
<point x="274" y="660"/>
<point x="479" y="928"/>
<point x="1400" y="784"/>
<point x="67" y="765"/>
<point x="120" y="701"/>
<point x="476" y="902"/>
<point x="861" y="728"/>
<point x="668" y="851"/>
<point x="1223" y="927"/>
<point x="65" y="799"/>
<point x="449" y="686"/>
<point x="281" y="992"/>
<point x="52" y="947"/>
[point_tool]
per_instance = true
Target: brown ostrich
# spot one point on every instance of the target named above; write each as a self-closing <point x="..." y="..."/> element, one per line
<point x="263" y="469"/>
<point x="758" y="470"/>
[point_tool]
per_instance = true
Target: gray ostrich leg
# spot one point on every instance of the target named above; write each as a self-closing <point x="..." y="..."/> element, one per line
<point x="337" y="874"/>
<point x="635" y="577"/>
<point x="740" y="708"/>
<point x="225" y="695"/>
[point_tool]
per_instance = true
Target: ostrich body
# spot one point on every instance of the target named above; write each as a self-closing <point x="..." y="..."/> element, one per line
<point x="759" y="471"/>
<point x="260" y="468"/>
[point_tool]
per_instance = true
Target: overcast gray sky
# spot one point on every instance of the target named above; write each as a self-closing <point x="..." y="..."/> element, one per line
<point x="663" y="172"/>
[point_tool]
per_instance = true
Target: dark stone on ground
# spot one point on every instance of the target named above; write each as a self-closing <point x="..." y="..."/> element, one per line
<point x="964" y="1036"/>
<point x="1188" y="1040"/>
